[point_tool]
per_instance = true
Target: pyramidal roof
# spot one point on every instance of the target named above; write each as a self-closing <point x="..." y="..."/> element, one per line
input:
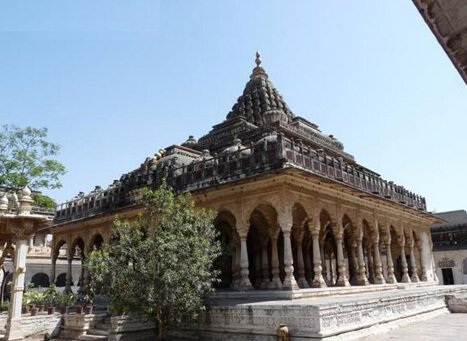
<point x="260" y="97"/>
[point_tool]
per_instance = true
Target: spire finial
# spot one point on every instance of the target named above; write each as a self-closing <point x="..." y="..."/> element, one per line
<point x="258" y="58"/>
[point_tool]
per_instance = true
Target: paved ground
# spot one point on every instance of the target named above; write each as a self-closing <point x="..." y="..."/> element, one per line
<point x="446" y="327"/>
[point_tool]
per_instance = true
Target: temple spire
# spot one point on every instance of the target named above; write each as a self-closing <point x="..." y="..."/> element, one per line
<point x="258" y="59"/>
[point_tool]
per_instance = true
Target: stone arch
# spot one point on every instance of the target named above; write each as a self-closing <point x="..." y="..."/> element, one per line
<point x="96" y="242"/>
<point x="262" y="232"/>
<point x="60" y="282"/>
<point x="61" y="245"/>
<point x="41" y="280"/>
<point x="226" y="263"/>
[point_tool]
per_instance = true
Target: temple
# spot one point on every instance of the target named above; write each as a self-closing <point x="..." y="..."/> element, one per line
<point x="294" y="209"/>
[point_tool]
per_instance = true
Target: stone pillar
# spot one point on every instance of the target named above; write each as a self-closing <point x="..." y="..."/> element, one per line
<point x="69" y="270"/>
<point x="13" y="325"/>
<point x="405" y="270"/>
<point x="353" y="263"/>
<point x="318" y="280"/>
<point x="423" y="275"/>
<point x="413" y="263"/>
<point x="264" y="267"/>
<point x="301" y="280"/>
<point x="31" y="242"/>
<point x="245" y="283"/>
<point x="371" y="274"/>
<point x="361" y="275"/>
<point x="236" y="268"/>
<point x="53" y="269"/>
<point x="275" y="281"/>
<point x="342" y="279"/>
<point x="391" y="277"/>
<point x="289" y="280"/>
<point x="379" y="278"/>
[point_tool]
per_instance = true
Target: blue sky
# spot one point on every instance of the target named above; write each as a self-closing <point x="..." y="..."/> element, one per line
<point x="114" y="81"/>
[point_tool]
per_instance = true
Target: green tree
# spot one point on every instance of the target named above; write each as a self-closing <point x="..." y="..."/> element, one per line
<point x="27" y="158"/>
<point x="161" y="263"/>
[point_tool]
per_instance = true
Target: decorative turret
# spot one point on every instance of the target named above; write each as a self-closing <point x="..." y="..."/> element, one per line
<point x="260" y="102"/>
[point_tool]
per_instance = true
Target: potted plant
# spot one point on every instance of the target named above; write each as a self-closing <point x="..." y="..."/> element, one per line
<point x="51" y="298"/>
<point x="38" y="299"/>
<point x="65" y="300"/>
<point x="88" y="304"/>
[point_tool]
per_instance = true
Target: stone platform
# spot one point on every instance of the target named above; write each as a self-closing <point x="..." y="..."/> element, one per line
<point x="344" y="315"/>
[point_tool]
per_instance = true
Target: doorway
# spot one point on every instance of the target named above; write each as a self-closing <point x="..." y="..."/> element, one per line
<point x="448" y="278"/>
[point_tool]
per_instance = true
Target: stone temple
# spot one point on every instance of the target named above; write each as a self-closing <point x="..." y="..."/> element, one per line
<point x="304" y="223"/>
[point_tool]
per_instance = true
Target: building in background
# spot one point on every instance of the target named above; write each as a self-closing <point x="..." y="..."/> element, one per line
<point x="450" y="247"/>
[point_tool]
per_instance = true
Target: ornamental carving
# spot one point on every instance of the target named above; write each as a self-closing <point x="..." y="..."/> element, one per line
<point x="446" y="263"/>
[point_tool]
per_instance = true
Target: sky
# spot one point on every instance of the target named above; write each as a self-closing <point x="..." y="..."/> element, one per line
<point x="114" y="81"/>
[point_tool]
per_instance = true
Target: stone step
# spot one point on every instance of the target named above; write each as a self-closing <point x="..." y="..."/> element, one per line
<point x="96" y="331"/>
<point x="88" y="337"/>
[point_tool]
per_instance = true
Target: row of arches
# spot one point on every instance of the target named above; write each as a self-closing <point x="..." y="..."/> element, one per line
<point x="274" y="249"/>
<point x="74" y="253"/>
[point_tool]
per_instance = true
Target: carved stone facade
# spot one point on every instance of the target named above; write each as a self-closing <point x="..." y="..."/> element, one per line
<point x="450" y="247"/>
<point x="294" y="210"/>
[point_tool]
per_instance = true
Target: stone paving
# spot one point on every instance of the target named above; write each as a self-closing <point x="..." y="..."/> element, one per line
<point x="446" y="327"/>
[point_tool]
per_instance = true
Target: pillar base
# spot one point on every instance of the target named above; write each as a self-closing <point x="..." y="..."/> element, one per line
<point x="362" y="281"/>
<point x="290" y="284"/>
<point x="405" y="278"/>
<point x="318" y="282"/>
<point x="275" y="282"/>
<point x="302" y="283"/>
<point x="391" y="279"/>
<point x="415" y="278"/>
<point x="342" y="282"/>
<point x="245" y="284"/>
<point x="14" y="331"/>
<point x="379" y="279"/>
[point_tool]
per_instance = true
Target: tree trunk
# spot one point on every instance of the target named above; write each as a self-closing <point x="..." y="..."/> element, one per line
<point x="162" y="331"/>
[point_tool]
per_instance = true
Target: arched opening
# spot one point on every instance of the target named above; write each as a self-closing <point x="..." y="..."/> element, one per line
<point x="60" y="282"/>
<point x="263" y="267"/>
<point x="40" y="280"/>
<point x="97" y="242"/>
<point x="328" y="249"/>
<point x="226" y="263"/>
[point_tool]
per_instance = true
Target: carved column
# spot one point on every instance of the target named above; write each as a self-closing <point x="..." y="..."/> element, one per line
<point x="405" y="270"/>
<point x="379" y="278"/>
<point x="361" y="275"/>
<point x="275" y="280"/>
<point x="70" y="254"/>
<point x="413" y="263"/>
<point x="236" y="267"/>
<point x="353" y="263"/>
<point x="289" y="280"/>
<point x="423" y="275"/>
<point x="14" y="330"/>
<point x="342" y="279"/>
<point x="391" y="277"/>
<point x="53" y="269"/>
<point x="301" y="280"/>
<point x="264" y="267"/>
<point x="245" y="283"/>
<point x="371" y="273"/>
<point x="318" y="280"/>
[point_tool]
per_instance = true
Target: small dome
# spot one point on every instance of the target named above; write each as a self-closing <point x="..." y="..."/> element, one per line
<point x="190" y="142"/>
<point x="25" y="192"/>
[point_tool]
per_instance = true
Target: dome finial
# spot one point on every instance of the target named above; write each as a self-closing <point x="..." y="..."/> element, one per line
<point x="258" y="58"/>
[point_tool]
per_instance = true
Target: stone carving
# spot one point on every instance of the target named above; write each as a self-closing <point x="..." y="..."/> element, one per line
<point x="446" y="263"/>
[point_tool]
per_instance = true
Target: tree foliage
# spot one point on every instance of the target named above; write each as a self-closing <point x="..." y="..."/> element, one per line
<point x="27" y="158"/>
<point x="161" y="263"/>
